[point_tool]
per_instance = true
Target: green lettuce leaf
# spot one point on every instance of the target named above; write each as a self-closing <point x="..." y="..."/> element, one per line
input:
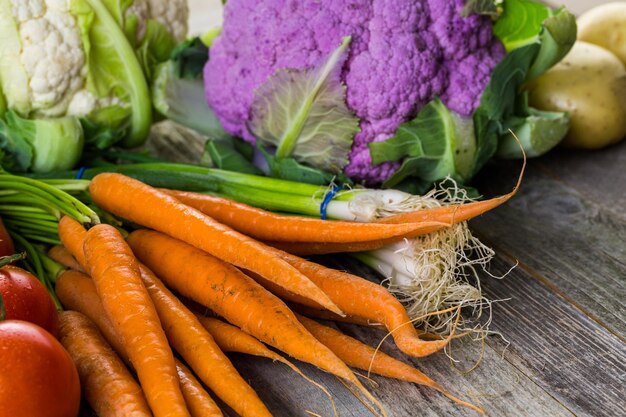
<point x="303" y="114"/>
<point x="537" y="133"/>
<point x="155" y="48"/>
<point x="3" y="104"/>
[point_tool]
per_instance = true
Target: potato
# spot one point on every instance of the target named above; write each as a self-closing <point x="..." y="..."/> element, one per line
<point x="605" y="26"/>
<point x="590" y="84"/>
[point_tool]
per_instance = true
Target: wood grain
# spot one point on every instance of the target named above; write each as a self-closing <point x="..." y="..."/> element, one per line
<point x="562" y="236"/>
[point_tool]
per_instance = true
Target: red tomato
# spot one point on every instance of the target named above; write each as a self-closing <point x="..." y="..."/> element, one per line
<point x="6" y="243"/>
<point x="37" y="375"/>
<point x="25" y="298"/>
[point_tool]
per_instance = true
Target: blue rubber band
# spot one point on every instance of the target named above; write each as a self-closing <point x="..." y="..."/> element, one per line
<point x="80" y="173"/>
<point x="327" y="199"/>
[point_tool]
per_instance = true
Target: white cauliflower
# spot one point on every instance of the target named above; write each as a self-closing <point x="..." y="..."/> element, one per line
<point x="51" y="54"/>
<point x="173" y="14"/>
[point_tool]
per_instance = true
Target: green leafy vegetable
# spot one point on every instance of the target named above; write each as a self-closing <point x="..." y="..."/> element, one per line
<point x="41" y="145"/>
<point x="537" y="134"/>
<point x="114" y="70"/>
<point x="505" y="104"/>
<point x="303" y="114"/>
<point x="437" y="143"/>
<point x="229" y="155"/>
<point x="521" y="22"/>
<point x="182" y="100"/>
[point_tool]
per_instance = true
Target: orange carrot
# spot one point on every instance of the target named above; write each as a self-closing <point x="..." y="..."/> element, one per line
<point x="323" y="248"/>
<point x="105" y="382"/>
<point x="145" y="205"/>
<point x="236" y="297"/>
<point x="456" y="213"/>
<point x="265" y="225"/>
<point x="361" y="298"/>
<point x="310" y="311"/>
<point x="200" y="404"/>
<point x="115" y="273"/>
<point x="232" y="339"/>
<point x="196" y="345"/>
<point x="72" y="236"/>
<point x="64" y="257"/>
<point x="78" y="292"/>
<point x="361" y="356"/>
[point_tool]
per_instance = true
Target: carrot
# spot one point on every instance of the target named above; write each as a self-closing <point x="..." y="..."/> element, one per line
<point x="265" y="225"/>
<point x="147" y="206"/>
<point x="232" y="339"/>
<point x="233" y="295"/>
<point x="78" y="292"/>
<point x="105" y="382"/>
<point x="324" y="248"/>
<point x="310" y="311"/>
<point x="196" y="345"/>
<point x="115" y="273"/>
<point x="200" y="404"/>
<point x="64" y="257"/>
<point x="361" y="298"/>
<point x="72" y="236"/>
<point x="361" y="356"/>
<point x="456" y="213"/>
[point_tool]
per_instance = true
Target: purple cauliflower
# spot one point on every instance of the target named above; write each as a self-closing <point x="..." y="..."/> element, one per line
<point x="403" y="54"/>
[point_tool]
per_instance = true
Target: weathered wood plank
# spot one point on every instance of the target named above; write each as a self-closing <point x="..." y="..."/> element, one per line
<point x="552" y="342"/>
<point x="498" y="386"/>
<point x="575" y="245"/>
<point x="600" y="175"/>
<point x="580" y="363"/>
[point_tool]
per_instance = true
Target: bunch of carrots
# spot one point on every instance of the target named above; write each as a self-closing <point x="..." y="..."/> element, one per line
<point x="124" y="326"/>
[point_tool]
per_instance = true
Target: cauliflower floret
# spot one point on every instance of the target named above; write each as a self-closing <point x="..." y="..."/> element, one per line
<point x="173" y="14"/>
<point x="52" y="54"/>
<point x="84" y="102"/>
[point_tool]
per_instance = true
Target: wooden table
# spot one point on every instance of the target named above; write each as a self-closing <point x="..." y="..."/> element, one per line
<point x="561" y="349"/>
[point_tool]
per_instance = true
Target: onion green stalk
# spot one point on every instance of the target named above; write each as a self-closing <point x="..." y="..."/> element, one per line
<point x="358" y="204"/>
<point x="31" y="210"/>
